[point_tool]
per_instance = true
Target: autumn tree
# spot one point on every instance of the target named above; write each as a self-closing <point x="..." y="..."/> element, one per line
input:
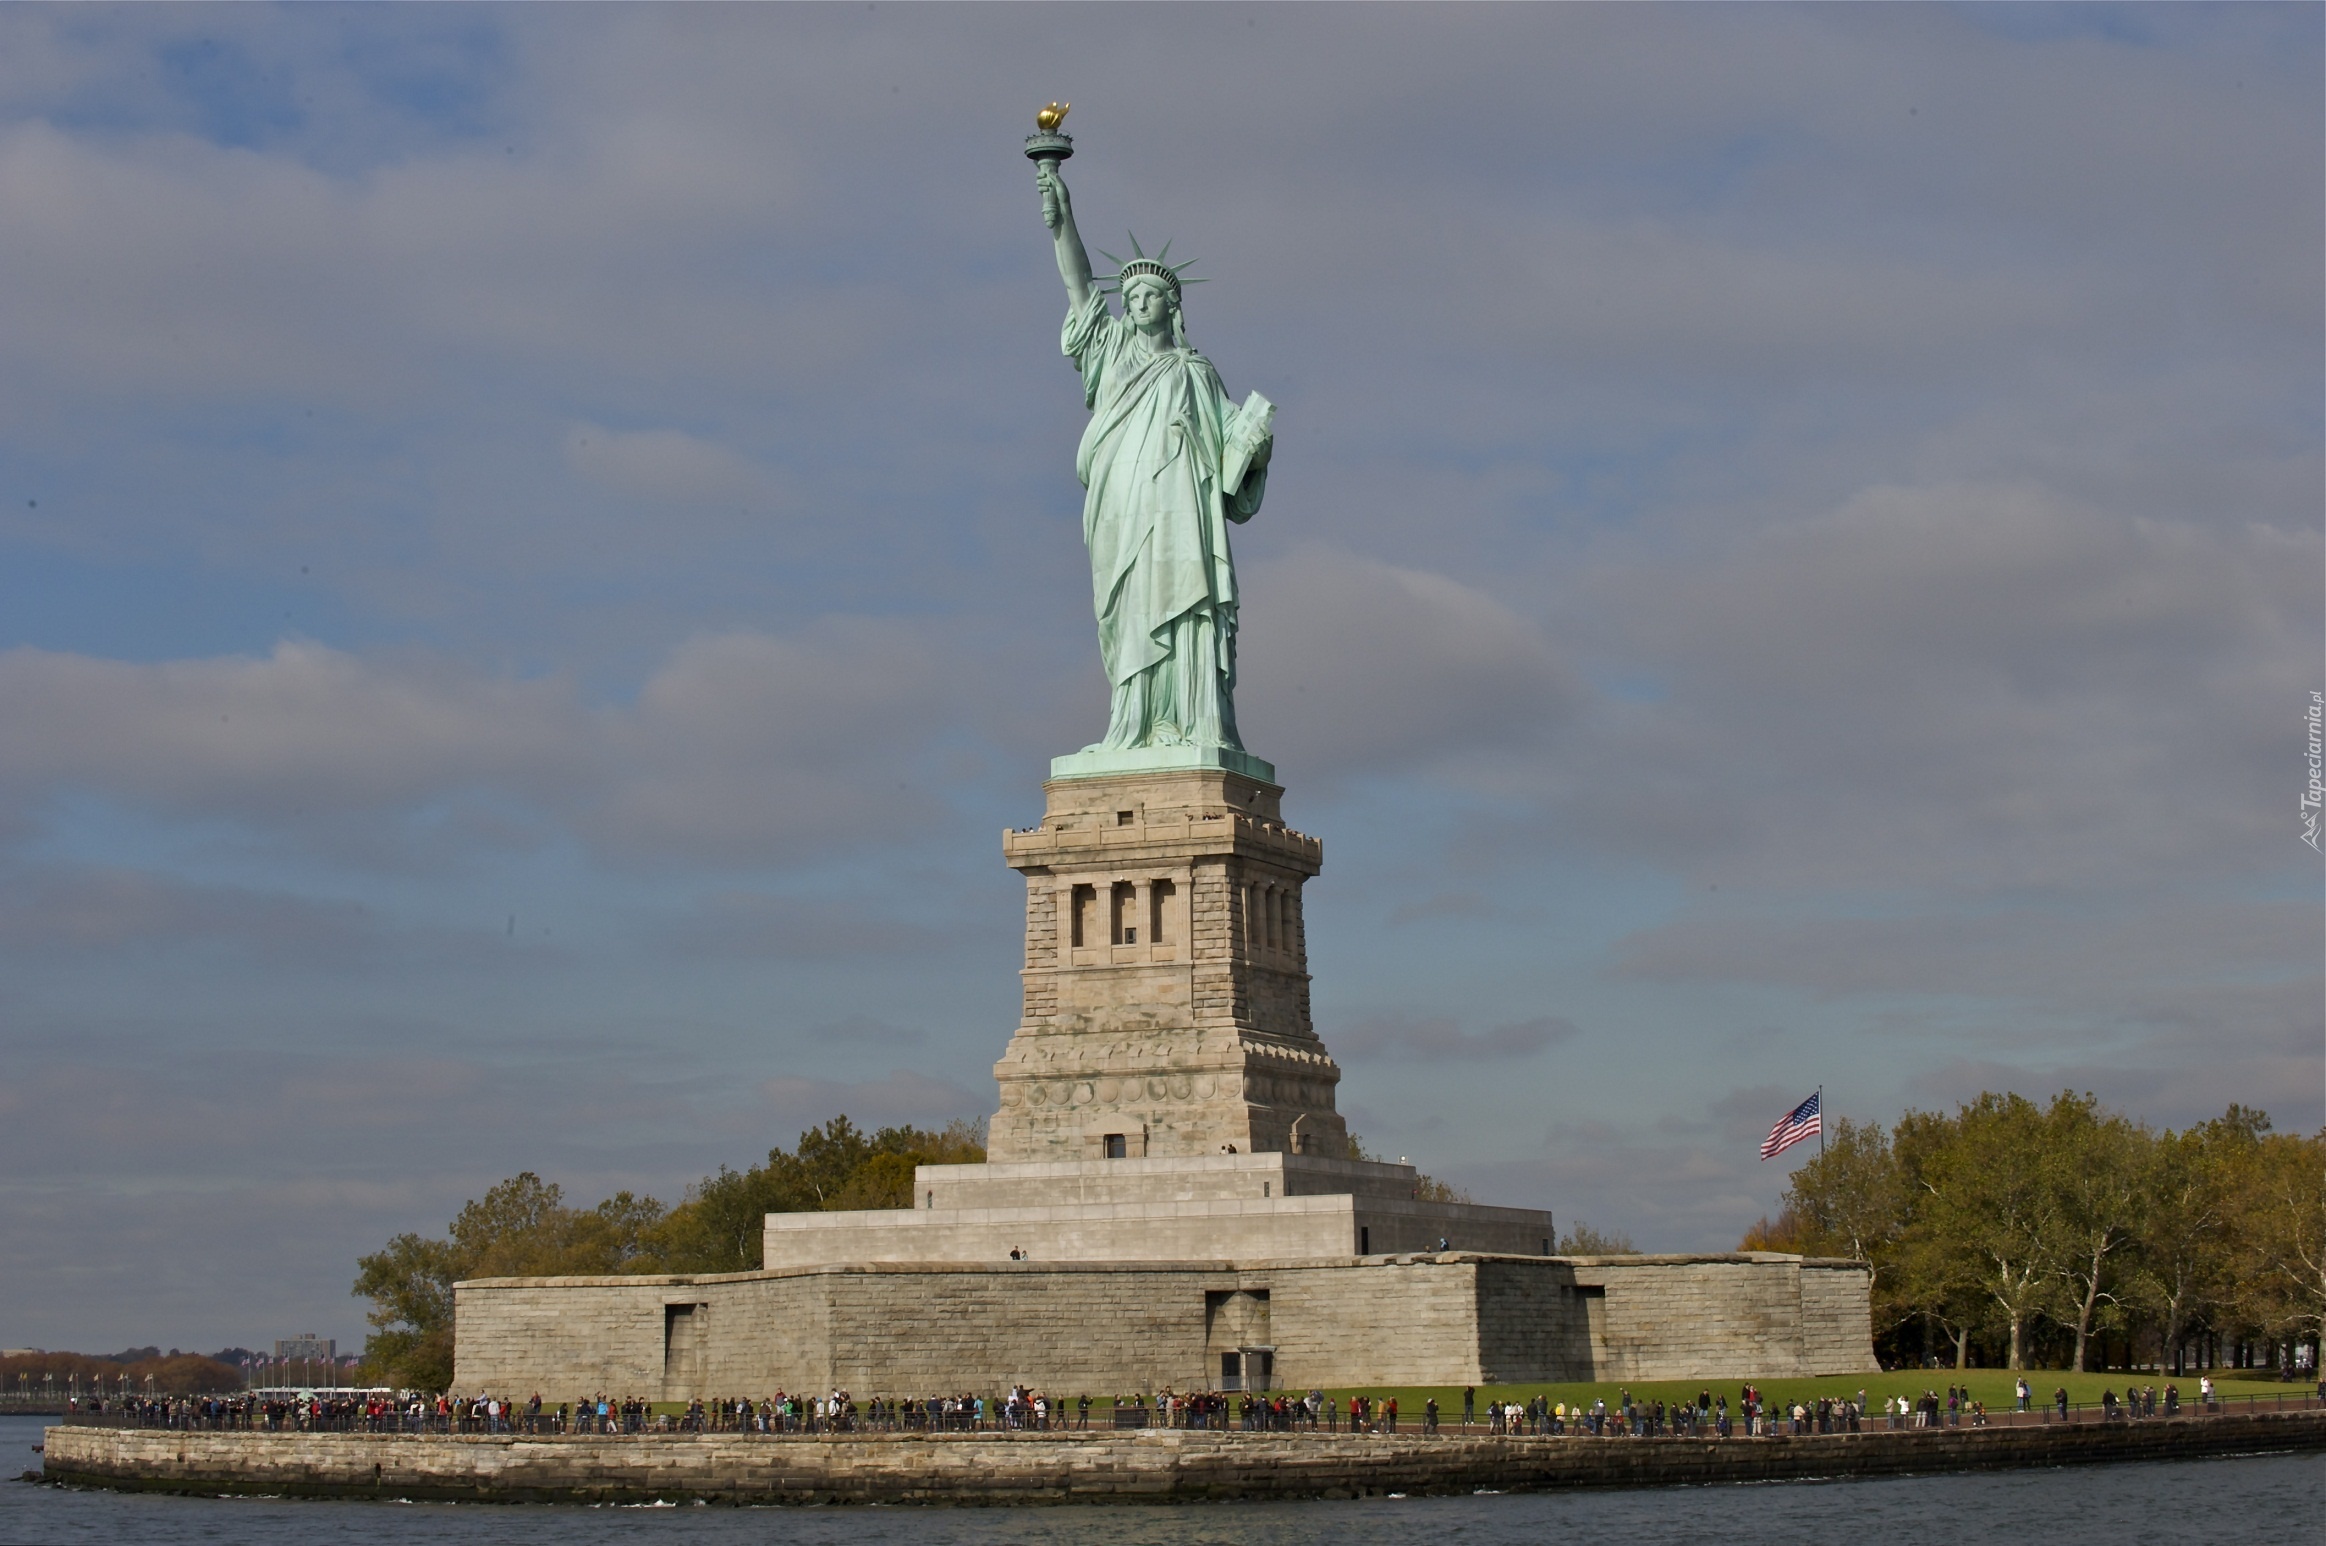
<point x="523" y="1228"/>
<point x="2096" y="1171"/>
<point x="1846" y="1200"/>
<point x="1988" y="1223"/>
<point x="2281" y="1224"/>
<point x="1580" y="1239"/>
<point x="2180" y="1266"/>
<point x="1426" y="1187"/>
<point x="172" y="1373"/>
<point x="520" y="1228"/>
<point x="718" y="1228"/>
<point x="1787" y="1232"/>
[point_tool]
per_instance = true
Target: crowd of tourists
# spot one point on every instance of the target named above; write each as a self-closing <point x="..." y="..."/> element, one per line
<point x="1709" y="1415"/>
<point x="375" y="1411"/>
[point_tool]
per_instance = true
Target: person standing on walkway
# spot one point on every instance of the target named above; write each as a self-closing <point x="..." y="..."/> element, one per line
<point x="2024" y="1392"/>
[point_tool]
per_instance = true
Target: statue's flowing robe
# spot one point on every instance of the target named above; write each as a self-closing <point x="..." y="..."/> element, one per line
<point x="1155" y="519"/>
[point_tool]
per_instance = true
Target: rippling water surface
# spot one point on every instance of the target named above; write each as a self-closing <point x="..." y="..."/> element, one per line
<point x="2261" y="1500"/>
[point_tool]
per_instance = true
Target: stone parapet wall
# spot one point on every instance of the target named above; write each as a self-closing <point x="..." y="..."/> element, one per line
<point x="1273" y="1206"/>
<point x="1081" y="1232"/>
<point x="1410" y="1321"/>
<point x="1837" y="1314"/>
<point x="1086" y="1467"/>
<point x="1191" y="1178"/>
<point x="1400" y="1226"/>
<point x="1666" y="1315"/>
<point x="932" y="1328"/>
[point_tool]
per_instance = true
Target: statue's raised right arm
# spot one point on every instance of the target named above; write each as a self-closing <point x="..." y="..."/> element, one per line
<point x="1058" y="215"/>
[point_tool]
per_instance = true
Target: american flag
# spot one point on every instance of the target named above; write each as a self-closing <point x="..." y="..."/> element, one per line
<point x="1801" y="1122"/>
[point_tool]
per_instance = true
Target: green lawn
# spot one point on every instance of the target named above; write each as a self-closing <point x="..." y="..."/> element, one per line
<point x="1993" y="1386"/>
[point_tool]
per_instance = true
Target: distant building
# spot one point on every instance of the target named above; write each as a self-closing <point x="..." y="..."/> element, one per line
<point x="307" y="1348"/>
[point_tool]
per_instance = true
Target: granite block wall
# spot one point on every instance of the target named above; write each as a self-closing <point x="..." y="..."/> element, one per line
<point x="930" y="1328"/>
<point x="1667" y="1316"/>
<point x="1410" y="1322"/>
<point x="1132" y="1468"/>
<point x="1086" y="1232"/>
<point x="1837" y="1323"/>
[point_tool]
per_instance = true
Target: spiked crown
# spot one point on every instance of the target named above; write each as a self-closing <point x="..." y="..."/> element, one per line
<point x="1141" y="266"/>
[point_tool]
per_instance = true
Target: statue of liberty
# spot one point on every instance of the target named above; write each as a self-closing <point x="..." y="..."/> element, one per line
<point x="1168" y="461"/>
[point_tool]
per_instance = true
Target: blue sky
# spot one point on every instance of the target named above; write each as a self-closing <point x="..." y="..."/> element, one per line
<point x="538" y="554"/>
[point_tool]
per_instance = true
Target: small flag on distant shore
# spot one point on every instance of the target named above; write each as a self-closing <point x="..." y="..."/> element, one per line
<point x="1801" y="1122"/>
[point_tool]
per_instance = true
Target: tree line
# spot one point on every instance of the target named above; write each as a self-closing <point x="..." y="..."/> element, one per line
<point x="172" y="1373"/>
<point x="524" y="1228"/>
<point x="2037" y="1235"/>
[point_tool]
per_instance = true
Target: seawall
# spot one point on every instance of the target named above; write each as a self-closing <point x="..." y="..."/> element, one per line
<point x="1157" y="1466"/>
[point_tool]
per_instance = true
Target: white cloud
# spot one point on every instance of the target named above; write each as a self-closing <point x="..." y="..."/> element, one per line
<point x="302" y="732"/>
<point x="1959" y="687"/>
<point x="744" y="748"/>
<point x="738" y="748"/>
<point x="1353" y="666"/>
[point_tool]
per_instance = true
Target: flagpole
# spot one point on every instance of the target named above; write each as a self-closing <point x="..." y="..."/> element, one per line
<point x="1820" y="1121"/>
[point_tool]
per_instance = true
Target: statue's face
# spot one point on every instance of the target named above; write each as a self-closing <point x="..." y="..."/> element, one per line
<point x="1148" y="305"/>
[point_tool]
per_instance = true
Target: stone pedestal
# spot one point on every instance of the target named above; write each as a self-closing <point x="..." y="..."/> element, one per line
<point x="1169" y="1200"/>
<point x="1223" y="1207"/>
<point x="1166" y="976"/>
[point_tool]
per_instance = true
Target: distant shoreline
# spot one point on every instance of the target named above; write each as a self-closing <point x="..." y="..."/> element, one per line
<point x="1155" y="1466"/>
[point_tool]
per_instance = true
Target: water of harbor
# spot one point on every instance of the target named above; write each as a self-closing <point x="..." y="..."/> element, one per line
<point x="2263" y="1498"/>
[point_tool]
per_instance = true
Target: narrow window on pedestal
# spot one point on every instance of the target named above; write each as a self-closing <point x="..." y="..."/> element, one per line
<point x="1084" y="906"/>
<point x="1159" y="895"/>
<point x="1123" y="915"/>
